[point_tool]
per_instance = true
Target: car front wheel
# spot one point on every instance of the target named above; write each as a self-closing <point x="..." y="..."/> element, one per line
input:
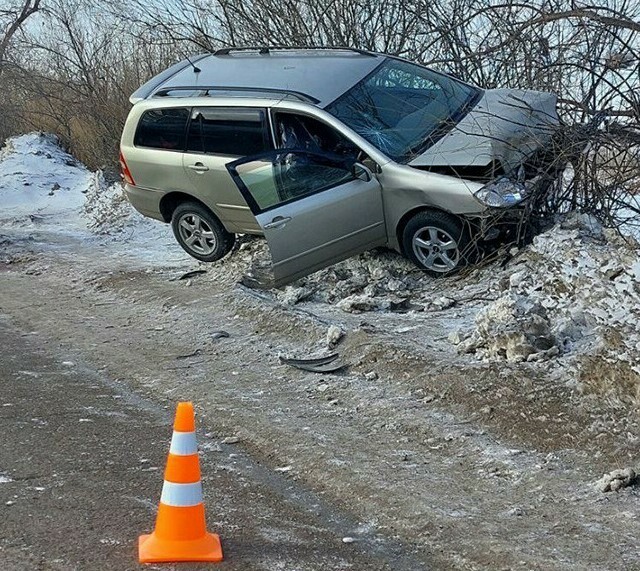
<point x="436" y="242"/>
<point x="200" y="233"/>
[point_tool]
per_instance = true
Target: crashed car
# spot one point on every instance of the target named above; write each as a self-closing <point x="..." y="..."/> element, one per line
<point x="329" y="153"/>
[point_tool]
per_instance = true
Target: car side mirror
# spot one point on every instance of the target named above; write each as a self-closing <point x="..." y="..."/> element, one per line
<point x="361" y="172"/>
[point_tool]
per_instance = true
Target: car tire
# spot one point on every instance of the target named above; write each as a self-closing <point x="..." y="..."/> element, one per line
<point x="200" y="233"/>
<point x="437" y="242"/>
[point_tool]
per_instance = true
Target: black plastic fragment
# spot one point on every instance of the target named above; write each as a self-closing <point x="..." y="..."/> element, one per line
<point x="219" y="334"/>
<point x="327" y="364"/>
<point x="192" y="274"/>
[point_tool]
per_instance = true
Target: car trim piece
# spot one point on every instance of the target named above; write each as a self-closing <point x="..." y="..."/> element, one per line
<point x="206" y="88"/>
<point x="232" y="206"/>
<point x="266" y="50"/>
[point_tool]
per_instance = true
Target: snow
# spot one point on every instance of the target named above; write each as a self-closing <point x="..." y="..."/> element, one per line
<point x="574" y="293"/>
<point x="44" y="189"/>
<point x="38" y="180"/>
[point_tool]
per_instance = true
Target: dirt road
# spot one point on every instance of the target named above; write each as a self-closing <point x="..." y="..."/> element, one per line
<point x="82" y="470"/>
<point x="428" y="460"/>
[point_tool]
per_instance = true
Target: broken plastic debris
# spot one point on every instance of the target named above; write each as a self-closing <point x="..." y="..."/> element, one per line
<point x="219" y="334"/>
<point x="327" y="364"/>
<point x="191" y="274"/>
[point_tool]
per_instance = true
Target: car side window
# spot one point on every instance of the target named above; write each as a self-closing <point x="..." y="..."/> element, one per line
<point x="162" y="129"/>
<point x="283" y="177"/>
<point x="228" y="131"/>
<point x="295" y="131"/>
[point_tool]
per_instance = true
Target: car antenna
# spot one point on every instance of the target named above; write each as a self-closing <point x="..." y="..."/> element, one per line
<point x="195" y="69"/>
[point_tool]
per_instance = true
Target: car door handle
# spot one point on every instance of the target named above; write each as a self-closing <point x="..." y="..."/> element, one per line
<point x="277" y="222"/>
<point x="199" y="167"/>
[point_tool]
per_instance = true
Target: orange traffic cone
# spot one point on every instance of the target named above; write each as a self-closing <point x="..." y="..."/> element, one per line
<point x="181" y="532"/>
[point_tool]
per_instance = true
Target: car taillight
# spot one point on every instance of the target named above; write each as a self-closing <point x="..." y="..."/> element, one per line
<point x="126" y="173"/>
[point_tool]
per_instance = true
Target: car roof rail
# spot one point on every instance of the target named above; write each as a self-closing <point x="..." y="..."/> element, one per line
<point x="266" y="50"/>
<point x="258" y="91"/>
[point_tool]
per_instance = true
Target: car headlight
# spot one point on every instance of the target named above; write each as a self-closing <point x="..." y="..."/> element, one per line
<point x="502" y="193"/>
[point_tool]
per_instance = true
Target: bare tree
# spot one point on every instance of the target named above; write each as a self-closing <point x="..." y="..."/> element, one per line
<point x="73" y="74"/>
<point x="12" y="18"/>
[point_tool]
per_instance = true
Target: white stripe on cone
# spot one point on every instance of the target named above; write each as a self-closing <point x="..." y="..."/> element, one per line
<point x="181" y="495"/>
<point x="183" y="443"/>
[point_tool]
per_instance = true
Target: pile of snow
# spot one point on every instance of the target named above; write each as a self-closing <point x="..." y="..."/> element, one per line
<point x="616" y="480"/>
<point x="44" y="189"/>
<point x="107" y="209"/>
<point x="42" y="184"/>
<point x="373" y="281"/>
<point x="38" y="181"/>
<point x="575" y="289"/>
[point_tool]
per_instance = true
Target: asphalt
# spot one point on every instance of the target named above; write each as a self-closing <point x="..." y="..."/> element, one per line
<point x="81" y="469"/>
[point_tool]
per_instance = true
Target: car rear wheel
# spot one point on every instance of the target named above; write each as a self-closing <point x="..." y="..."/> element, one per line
<point x="436" y="242"/>
<point x="200" y="233"/>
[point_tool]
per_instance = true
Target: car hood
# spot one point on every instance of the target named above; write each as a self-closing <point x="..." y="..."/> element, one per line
<point x="506" y="126"/>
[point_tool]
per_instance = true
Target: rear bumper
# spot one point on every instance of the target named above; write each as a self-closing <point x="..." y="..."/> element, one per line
<point x="145" y="201"/>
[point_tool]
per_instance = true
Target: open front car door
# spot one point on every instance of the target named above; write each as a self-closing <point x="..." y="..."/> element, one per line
<point x="314" y="209"/>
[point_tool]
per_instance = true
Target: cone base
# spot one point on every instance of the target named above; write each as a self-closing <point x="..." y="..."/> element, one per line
<point x="154" y="550"/>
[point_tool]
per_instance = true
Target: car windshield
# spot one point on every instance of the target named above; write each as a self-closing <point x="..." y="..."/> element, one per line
<point x="403" y="108"/>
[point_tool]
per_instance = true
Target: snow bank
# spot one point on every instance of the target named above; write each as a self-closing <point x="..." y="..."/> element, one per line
<point x="43" y="188"/>
<point x="575" y="289"/>
<point x="38" y="180"/>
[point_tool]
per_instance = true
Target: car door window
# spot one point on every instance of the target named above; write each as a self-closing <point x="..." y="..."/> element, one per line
<point x="162" y="129"/>
<point x="228" y="131"/>
<point x="278" y="178"/>
<point x="294" y="131"/>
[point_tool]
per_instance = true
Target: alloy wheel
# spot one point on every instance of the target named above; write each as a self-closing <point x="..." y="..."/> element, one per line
<point x="196" y="234"/>
<point x="436" y="249"/>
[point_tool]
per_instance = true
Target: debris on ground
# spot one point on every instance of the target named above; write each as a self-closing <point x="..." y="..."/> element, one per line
<point x="327" y="364"/>
<point x="334" y="335"/>
<point x="189" y="355"/>
<point x="191" y="274"/>
<point x="221" y="334"/>
<point x="616" y="480"/>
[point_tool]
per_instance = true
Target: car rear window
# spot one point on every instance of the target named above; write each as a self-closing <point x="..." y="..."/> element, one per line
<point x="228" y="131"/>
<point x="162" y="129"/>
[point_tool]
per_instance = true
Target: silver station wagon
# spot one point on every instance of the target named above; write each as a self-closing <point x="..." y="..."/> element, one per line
<point x="328" y="153"/>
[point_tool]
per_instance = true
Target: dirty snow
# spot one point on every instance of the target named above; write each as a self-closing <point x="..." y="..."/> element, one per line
<point x="574" y="290"/>
<point x="616" y="480"/>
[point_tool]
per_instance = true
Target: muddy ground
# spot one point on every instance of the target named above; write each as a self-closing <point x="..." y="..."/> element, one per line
<point x="444" y="461"/>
